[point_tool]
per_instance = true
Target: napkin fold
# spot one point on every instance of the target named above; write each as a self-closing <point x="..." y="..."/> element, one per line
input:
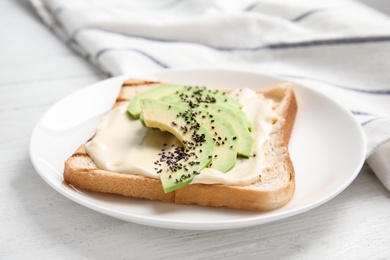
<point x="341" y="48"/>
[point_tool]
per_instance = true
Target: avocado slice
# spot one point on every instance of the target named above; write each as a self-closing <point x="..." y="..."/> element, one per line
<point x="155" y="93"/>
<point x="243" y="138"/>
<point x="225" y="142"/>
<point x="198" y="144"/>
<point x="223" y="113"/>
<point x="222" y="132"/>
<point x="194" y="102"/>
<point x="196" y="94"/>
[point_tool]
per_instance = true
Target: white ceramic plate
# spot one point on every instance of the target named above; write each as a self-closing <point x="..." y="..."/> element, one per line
<point x="327" y="148"/>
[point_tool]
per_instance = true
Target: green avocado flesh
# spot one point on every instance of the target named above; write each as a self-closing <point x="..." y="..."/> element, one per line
<point x="211" y="98"/>
<point x="244" y="137"/>
<point x="224" y="138"/>
<point x="204" y="95"/>
<point x="210" y="125"/>
<point x="198" y="144"/>
<point x="160" y="91"/>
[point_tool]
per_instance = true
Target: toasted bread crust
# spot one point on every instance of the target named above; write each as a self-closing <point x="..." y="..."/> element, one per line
<point x="81" y="172"/>
<point x="89" y="177"/>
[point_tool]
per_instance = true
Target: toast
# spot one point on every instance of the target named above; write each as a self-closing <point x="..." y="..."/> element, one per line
<point x="273" y="189"/>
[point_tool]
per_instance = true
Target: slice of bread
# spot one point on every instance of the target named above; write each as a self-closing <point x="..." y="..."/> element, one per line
<point x="274" y="188"/>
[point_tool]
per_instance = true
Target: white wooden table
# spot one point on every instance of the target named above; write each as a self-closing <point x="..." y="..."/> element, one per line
<point x="36" y="70"/>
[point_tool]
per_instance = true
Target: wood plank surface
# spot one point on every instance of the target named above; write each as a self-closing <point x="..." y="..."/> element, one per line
<point x="36" y="222"/>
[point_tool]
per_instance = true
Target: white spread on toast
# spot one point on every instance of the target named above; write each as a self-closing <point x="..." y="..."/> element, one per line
<point x="122" y="144"/>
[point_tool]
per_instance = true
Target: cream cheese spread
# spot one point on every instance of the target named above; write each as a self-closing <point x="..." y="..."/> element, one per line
<point x="122" y="144"/>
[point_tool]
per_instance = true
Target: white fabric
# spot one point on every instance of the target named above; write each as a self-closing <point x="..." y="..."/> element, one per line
<point x="339" y="47"/>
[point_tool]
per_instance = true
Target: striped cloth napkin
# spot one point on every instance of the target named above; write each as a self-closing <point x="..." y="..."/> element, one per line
<point x="340" y="47"/>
